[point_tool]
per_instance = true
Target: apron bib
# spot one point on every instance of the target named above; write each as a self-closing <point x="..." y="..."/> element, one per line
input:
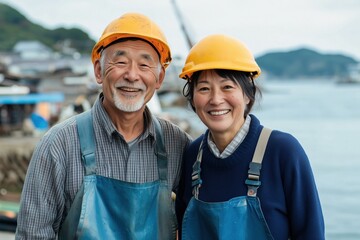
<point x="106" y="208"/>
<point x="240" y="218"/>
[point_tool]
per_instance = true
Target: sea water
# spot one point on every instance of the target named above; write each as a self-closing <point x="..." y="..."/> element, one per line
<point x="325" y="117"/>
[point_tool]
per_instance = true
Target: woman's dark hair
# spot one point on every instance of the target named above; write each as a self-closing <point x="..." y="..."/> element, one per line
<point x="243" y="79"/>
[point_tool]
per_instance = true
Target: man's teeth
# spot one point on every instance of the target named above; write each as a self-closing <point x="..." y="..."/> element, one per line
<point x="130" y="89"/>
<point x="216" y="113"/>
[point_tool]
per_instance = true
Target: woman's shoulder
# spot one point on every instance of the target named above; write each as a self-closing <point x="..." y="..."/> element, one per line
<point x="287" y="149"/>
<point x="195" y="145"/>
<point x="284" y="140"/>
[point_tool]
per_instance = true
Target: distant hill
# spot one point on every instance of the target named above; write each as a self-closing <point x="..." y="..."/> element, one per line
<point x="301" y="63"/>
<point x="15" y="27"/>
<point x="304" y="63"/>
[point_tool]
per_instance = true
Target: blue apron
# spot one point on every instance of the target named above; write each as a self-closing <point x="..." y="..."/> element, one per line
<point x="240" y="218"/>
<point x="106" y="208"/>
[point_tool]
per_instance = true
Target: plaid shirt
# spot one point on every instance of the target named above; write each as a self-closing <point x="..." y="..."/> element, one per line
<point x="56" y="172"/>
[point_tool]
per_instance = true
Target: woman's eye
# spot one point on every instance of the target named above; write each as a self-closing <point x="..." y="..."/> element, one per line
<point x="202" y="89"/>
<point x="228" y="87"/>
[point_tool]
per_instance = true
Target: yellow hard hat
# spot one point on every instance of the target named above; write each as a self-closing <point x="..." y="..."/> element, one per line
<point x="219" y="52"/>
<point x="134" y="25"/>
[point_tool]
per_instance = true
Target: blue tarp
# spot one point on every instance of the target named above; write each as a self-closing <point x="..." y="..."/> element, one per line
<point x="32" y="98"/>
<point x="39" y="122"/>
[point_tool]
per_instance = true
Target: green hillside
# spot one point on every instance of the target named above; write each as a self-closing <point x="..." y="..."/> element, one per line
<point x="304" y="63"/>
<point x="15" y="27"/>
<point x="300" y="63"/>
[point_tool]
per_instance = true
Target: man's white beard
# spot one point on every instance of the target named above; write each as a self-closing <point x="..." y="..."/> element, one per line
<point x="128" y="107"/>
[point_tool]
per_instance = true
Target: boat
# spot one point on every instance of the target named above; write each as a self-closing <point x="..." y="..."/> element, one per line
<point x="353" y="75"/>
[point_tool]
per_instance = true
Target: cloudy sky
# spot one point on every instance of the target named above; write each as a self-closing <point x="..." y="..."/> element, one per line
<point x="327" y="26"/>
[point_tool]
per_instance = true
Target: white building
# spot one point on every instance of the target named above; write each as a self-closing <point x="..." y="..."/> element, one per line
<point x="32" y="50"/>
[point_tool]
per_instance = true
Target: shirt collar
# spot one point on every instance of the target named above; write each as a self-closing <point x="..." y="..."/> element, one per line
<point x="233" y="145"/>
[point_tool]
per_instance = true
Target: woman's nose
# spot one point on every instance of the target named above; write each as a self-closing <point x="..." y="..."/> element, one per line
<point x="216" y="97"/>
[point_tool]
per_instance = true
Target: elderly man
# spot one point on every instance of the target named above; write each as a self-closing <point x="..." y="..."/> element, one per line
<point x="109" y="173"/>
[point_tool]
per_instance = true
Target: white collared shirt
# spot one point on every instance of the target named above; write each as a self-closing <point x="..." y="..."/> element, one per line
<point x="234" y="144"/>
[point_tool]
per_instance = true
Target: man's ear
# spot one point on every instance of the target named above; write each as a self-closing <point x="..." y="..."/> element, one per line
<point x="97" y="71"/>
<point x="161" y="77"/>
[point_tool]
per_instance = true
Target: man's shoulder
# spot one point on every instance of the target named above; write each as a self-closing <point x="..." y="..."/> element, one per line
<point x="173" y="131"/>
<point x="61" y="129"/>
<point x="167" y="125"/>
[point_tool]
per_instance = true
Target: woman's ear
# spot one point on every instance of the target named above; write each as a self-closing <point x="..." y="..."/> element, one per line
<point x="246" y="99"/>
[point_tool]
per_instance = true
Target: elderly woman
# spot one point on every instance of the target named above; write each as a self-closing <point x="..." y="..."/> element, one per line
<point x="240" y="180"/>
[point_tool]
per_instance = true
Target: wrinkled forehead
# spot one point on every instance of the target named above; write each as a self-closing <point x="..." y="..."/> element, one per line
<point x="139" y="43"/>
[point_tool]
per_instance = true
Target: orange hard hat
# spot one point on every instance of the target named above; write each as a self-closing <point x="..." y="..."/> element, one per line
<point x="134" y="25"/>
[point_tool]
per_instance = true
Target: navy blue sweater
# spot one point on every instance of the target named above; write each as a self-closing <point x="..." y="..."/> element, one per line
<point x="288" y="194"/>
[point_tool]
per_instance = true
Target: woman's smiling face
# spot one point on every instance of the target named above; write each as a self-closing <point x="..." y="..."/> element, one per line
<point x="220" y="103"/>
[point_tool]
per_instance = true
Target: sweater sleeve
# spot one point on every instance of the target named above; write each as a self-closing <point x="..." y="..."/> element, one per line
<point x="301" y="195"/>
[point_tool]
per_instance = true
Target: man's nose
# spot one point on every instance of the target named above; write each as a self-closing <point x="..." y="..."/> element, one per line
<point x="132" y="72"/>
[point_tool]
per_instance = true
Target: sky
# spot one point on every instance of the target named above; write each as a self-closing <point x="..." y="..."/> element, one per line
<point x="326" y="26"/>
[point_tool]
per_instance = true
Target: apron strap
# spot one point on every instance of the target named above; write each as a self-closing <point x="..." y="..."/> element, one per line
<point x="160" y="151"/>
<point x="253" y="181"/>
<point x="87" y="145"/>
<point x="87" y="141"/>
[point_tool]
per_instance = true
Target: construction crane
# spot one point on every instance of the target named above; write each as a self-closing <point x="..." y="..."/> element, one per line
<point x="184" y="28"/>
